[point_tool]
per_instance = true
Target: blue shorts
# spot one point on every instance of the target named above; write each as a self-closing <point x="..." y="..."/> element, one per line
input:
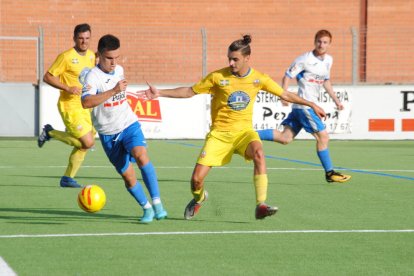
<point x="118" y="146"/>
<point x="304" y="118"/>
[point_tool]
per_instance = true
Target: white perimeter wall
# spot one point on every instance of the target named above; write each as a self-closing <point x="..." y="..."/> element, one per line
<point x="190" y="118"/>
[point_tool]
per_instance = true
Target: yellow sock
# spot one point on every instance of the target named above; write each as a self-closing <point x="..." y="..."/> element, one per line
<point x="198" y="195"/>
<point x="260" y="184"/>
<point x="75" y="161"/>
<point x="65" y="138"/>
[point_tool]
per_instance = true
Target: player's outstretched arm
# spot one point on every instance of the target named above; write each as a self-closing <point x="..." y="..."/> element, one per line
<point x="293" y="98"/>
<point x="180" y="92"/>
<point x="151" y="93"/>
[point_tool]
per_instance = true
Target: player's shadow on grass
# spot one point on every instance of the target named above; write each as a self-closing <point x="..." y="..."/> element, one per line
<point x="57" y="180"/>
<point x="138" y="177"/>
<point x="54" y="216"/>
<point x="79" y="178"/>
<point x="168" y="180"/>
<point x="60" y="217"/>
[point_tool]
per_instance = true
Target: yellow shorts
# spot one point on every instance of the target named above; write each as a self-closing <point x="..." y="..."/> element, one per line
<point x="77" y="120"/>
<point x="220" y="146"/>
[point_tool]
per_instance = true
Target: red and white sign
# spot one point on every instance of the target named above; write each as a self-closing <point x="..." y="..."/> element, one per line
<point x="146" y="111"/>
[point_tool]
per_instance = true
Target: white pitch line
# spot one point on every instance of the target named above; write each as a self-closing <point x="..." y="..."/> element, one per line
<point x="191" y="167"/>
<point x="5" y="269"/>
<point x="206" y="233"/>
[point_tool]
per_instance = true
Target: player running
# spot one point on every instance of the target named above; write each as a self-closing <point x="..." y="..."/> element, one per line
<point x="312" y="71"/>
<point x="67" y="74"/>
<point x="233" y="89"/>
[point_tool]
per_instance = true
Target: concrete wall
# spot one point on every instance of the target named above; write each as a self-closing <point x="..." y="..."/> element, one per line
<point x="371" y="112"/>
<point x="18" y="112"/>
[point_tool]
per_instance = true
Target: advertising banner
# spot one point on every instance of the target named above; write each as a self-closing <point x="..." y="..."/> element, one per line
<point x="161" y="118"/>
<point x="377" y="112"/>
<point x="269" y="112"/>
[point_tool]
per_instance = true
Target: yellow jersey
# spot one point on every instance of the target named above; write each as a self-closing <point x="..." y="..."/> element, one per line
<point x="233" y="97"/>
<point x="72" y="68"/>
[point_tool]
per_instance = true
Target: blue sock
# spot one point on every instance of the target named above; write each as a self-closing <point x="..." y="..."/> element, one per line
<point x="150" y="179"/>
<point x="266" y="134"/>
<point x="138" y="193"/>
<point x="325" y="160"/>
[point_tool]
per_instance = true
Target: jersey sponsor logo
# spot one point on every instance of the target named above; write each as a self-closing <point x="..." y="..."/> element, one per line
<point x="114" y="103"/>
<point x="316" y="81"/>
<point x="224" y="82"/>
<point x="116" y="99"/>
<point x="119" y="96"/>
<point x="149" y="111"/>
<point x="75" y="61"/>
<point x="238" y="100"/>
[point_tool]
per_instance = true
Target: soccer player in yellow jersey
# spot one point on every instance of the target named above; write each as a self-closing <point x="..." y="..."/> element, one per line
<point x="67" y="74"/>
<point x="233" y="91"/>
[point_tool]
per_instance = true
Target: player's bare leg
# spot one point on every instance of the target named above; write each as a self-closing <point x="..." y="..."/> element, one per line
<point x="197" y="188"/>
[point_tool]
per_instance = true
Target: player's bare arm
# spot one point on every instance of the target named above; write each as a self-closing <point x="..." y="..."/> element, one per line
<point x="180" y="92"/>
<point x="90" y="101"/>
<point x="328" y="87"/>
<point x="285" y="86"/>
<point x="54" y="81"/>
<point x="293" y="98"/>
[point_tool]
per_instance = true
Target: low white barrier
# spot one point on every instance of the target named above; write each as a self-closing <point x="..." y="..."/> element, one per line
<point x="383" y="112"/>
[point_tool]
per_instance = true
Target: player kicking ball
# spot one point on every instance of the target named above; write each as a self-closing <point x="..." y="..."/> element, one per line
<point x="233" y="89"/>
<point x="118" y="127"/>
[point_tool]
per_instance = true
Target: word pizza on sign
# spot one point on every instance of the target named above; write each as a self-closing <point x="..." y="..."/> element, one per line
<point x="145" y="110"/>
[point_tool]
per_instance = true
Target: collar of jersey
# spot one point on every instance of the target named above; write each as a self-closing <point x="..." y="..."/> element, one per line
<point x="110" y="73"/>
<point x="318" y="58"/>
<point x="245" y="75"/>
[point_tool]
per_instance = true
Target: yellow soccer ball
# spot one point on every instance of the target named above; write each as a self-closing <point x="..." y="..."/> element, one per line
<point x="91" y="198"/>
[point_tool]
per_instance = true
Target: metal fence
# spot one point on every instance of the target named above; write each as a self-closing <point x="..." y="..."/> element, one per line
<point x="166" y="56"/>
